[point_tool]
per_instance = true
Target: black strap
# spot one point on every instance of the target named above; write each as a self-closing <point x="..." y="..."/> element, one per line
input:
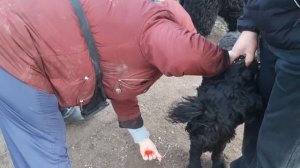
<point x="88" y="37"/>
<point x="98" y="101"/>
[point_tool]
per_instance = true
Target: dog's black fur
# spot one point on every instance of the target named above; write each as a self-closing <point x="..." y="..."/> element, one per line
<point x="222" y="103"/>
<point x="204" y="13"/>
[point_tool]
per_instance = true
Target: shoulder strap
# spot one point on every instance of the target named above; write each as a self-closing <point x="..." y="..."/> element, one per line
<point x="98" y="101"/>
<point x="87" y="34"/>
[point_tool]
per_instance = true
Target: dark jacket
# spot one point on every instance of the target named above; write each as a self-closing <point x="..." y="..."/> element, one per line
<point x="139" y="40"/>
<point x="278" y="21"/>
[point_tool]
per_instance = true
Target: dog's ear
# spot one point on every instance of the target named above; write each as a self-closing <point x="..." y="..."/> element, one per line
<point x="257" y="109"/>
<point x="250" y="73"/>
<point x="254" y="66"/>
<point x="251" y="110"/>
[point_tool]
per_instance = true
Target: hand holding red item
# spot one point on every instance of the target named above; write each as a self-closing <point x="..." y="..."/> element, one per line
<point x="149" y="151"/>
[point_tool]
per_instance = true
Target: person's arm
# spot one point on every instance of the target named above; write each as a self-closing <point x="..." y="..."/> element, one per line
<point x="128" y="112"/>
<point x="247" y="43"/>
<point x="139" y="134"/>
<point x="246" y="22"/>
<point x="141" y="137"/>
<point x="176" y="51"/>
<point x="129" y="117"/>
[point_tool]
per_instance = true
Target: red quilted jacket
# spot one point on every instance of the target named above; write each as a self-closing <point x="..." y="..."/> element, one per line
<point x="139" y="40"/>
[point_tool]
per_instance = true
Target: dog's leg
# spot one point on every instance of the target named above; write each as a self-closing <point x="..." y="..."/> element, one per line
<point x="217" y="156"/>
<point x="195" y="155"/>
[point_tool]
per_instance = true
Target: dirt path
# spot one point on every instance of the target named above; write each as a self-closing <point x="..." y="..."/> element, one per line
<point x="99" y="143"/>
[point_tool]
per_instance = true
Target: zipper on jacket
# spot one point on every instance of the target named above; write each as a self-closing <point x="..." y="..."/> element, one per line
<point x="121" y="83"/>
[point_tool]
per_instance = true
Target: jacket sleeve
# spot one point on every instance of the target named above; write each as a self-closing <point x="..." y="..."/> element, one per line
<point x="176" y="51"/>
<point x="128" y="112"/>
<point x="245" y="21"/>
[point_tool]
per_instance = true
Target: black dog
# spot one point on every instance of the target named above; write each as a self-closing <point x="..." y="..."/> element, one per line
<point x="222" y="103"/>
<point x="204" y="13"/>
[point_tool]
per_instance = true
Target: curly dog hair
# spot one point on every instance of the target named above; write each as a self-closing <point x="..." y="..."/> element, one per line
<point x="204" y="13"/>
<point x="222" y="103"/>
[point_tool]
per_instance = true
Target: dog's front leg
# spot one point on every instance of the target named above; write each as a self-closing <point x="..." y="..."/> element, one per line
<point x="217" y="156"/>
<point x="195" y="155"/>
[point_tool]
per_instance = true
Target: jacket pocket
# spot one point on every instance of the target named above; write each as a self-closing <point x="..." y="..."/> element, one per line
<point x="132" y="86"/>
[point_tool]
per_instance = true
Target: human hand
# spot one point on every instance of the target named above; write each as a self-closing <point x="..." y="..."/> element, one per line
<point x="245" y="45"/>
<point x="148" y="150"/>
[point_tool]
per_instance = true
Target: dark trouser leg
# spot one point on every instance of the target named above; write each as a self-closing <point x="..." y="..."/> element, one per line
<point x="278" y="144"/>
<point x="265" y="81"/>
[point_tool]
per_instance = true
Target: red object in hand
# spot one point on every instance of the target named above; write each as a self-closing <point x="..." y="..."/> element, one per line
<point x="148" y="152"/>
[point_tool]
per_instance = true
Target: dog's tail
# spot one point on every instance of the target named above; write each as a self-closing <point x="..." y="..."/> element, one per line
<point x="185" y="111"/>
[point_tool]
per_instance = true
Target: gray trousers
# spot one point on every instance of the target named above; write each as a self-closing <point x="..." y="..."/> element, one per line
<point x="273" y="141"/>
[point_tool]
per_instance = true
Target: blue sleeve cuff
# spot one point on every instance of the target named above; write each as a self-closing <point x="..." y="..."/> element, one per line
<point x="139" y="134"/>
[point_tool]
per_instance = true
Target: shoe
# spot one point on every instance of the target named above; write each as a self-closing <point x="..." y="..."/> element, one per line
<point x="72" y="115"/>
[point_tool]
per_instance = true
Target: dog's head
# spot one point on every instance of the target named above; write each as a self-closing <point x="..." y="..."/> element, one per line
<point x="233" y="92"/>
<point x="240" y="73"/>
<point x="245" y="77"/>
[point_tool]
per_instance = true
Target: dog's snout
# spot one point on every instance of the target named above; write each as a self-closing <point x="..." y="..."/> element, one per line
<point x="240" y="60"/>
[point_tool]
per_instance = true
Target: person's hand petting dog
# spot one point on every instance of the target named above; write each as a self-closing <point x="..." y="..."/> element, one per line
<point x="149" y="151"/>
<point x="245" y="45"/>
